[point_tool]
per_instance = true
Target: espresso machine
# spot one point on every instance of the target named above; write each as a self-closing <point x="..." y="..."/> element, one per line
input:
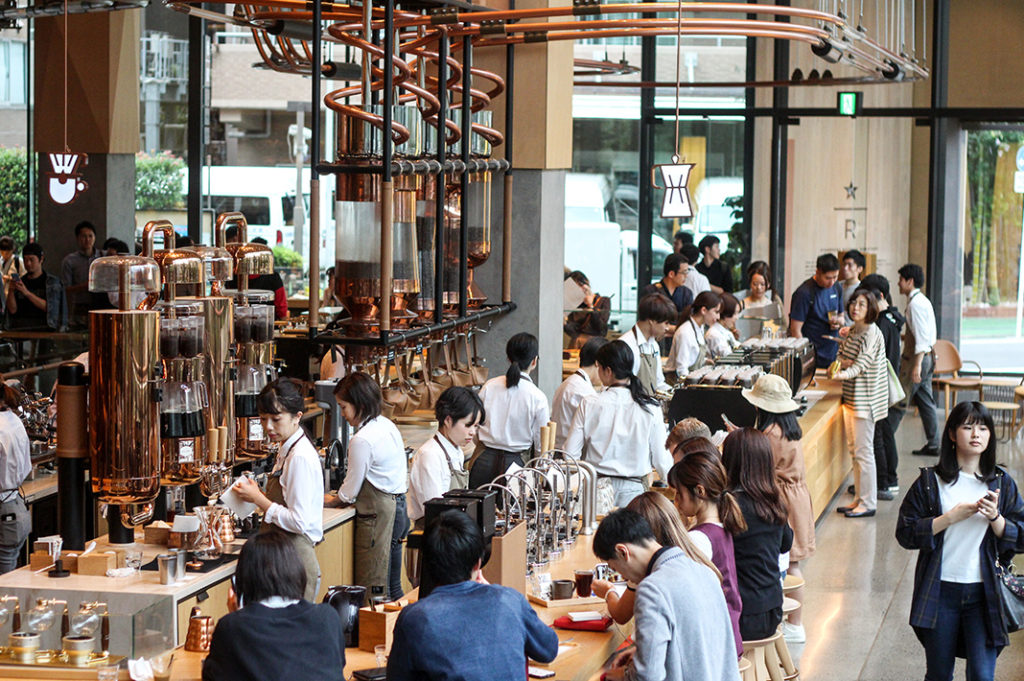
<point x="124" y="393"/>
<point x="253" y="328"/>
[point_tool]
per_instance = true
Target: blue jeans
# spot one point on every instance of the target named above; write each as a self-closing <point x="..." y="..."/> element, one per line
<point x="961" y="612"/>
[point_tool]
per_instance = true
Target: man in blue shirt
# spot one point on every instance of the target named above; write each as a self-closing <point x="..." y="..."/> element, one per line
<point x="811" y="305"/>
<point x="465" y="630"/>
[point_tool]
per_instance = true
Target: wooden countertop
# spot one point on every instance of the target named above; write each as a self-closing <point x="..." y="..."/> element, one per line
<point x="586" y="655"/>
<point x="146" y="581"/>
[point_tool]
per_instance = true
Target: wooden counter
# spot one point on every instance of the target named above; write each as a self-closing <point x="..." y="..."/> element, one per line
<point x="587" y="654"/>
<point x="825" y="455"/>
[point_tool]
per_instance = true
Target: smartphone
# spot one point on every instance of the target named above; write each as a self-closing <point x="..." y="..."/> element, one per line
<point x="727" y="422"/>
<point x="15" y="276"/>
<point x="538" y="673"/>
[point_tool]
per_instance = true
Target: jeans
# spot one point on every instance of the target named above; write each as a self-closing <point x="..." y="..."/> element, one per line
<point x="9" y="557"/>
<point x="886" y="457"/>
<point x="961" y="611"/>
<point x="860" y="437"/>
<point x="398" y="535"/>
<point x="921" y="393"/>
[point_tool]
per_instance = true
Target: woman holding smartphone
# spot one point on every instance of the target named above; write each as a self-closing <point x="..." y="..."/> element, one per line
<point x="961" y="515"/>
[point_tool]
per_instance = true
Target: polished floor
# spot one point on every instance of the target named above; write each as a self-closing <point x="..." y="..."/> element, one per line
<point x="859" y="583"/>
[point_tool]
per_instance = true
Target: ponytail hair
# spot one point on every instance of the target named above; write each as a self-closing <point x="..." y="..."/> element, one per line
<point x="617" y="357"/>
<point x="704" y="469"/>
<point x="521" y="350"/>
<point x="705" y="300"/>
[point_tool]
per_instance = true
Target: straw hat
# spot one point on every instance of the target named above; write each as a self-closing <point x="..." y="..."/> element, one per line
<point x="772" y="393"/>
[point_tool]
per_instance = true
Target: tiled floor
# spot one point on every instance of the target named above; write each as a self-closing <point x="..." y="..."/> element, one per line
<point x="859" y="583"/>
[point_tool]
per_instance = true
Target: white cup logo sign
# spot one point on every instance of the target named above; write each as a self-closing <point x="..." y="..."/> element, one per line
<point x="676" y="203"/>
<point x="66" y="182"/>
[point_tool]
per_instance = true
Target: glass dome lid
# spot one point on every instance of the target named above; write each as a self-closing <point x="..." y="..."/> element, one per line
<point x="251" y="296"/>
<point x="137" y="273"/>
<point x="219" y="263"/>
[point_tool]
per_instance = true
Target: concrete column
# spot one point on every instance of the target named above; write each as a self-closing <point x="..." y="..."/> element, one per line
<point x="102" y="120"/>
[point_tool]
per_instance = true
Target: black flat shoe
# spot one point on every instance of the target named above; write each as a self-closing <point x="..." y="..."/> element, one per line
<point x="925" y="451"/>
<point x="860" y="514"/>
<point x="845" y="509"/>
<point x="885" y="495"/>
<point x="851" y="490"/>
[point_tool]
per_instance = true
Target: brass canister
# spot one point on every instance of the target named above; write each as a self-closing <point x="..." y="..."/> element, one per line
<point x="219" y="313"/>
<point x="124" y="436"/>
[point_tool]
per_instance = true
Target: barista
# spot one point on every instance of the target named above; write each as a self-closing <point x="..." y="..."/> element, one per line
<point x="689" y="345"/>
<point x="15" y="465"/>
<point x="376" y="483"/>
<point x="293" y="502"/>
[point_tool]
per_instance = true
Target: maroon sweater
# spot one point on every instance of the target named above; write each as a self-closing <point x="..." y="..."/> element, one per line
<point x="723" y="558"/>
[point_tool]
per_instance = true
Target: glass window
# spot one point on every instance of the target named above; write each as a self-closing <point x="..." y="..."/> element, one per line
<point x="12" y="73"/>
<point x="256" y="209"/>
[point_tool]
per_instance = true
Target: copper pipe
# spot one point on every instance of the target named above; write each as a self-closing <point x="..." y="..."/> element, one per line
<point x="386" y="252"/>
<point x="314" y="253"/>
<point x="612" y="33"/>
<point x="150" y="229"/>
<point x="506" y="242"/>
<point x="225" y="219"/>
<point x="707" y="24"/>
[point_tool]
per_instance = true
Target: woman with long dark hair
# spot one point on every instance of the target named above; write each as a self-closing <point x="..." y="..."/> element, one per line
<point x="961" y="515"/>
<point x="620" y="430"/>
<point x="747" y="457"/>
<point x="702" y="493"/>
<point x="376" y="483"/>
<point x="516" y="409"/>
<point x="293" y="502"/>
<point x="689" y="347"/>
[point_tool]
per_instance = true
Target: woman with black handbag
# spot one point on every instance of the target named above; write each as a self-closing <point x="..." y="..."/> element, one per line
<point x="962" y="515"/>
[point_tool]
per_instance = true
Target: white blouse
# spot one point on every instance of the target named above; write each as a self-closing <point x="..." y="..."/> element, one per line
<point x="376" y="454"/>
<point x="431" y="472"/>
<point x="302" y="484"/>
<point x="686" y="345"/>
<point x="514" y="415"/>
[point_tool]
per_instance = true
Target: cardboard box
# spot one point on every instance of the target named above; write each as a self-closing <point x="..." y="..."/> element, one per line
<point x="97" y="564"/>
<point x="376" y="628"/>
<point x="507" y="565"/>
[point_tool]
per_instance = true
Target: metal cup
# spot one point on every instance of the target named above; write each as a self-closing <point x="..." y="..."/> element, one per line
<point x="167" y="564"/>
<point x="78" y="649"/>
<point x="562" y="589"/>
<point x="182" y="557"/>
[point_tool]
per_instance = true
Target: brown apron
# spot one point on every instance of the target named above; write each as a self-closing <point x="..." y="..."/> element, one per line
<point x="460" y="480"/>
<point x="648" y="372"/>
<point x="302" y="543"/>
<point x="702" y="354"/>
<point x="375" y="523"/>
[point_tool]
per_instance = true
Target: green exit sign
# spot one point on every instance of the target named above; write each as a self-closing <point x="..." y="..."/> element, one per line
<point x="850" y="103"/>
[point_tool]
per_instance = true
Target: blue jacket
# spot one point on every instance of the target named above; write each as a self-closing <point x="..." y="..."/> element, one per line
<point x="914" y="531"/>
<point x="469" y="632"/>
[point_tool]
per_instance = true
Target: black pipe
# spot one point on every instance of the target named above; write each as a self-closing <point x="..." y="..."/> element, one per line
<point x="71" y="465"/>
<point x="467" y="120"/>
<point x="441" y="184"/>
<point x="116" y="532"/>
<point x="314" y="109"/>
<point x="645" y="198"/>
<point x="404" y="336"/>
<point x="196" y="116"/>
<point x="510" y="55"/>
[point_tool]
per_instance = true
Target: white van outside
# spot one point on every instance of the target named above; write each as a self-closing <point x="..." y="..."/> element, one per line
<point x="713" y="216"/>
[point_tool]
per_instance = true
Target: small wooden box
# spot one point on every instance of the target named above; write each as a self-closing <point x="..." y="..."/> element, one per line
<point x="97" y="563"/>
<point x="156" y="535"/>
<point x="70" y="560"/>
<point x="507" y="565"/>
<point x="376" y="628"/>
<point x="39" y="559"/>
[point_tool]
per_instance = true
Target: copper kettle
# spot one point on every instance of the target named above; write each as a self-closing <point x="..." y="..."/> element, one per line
<point x="200" y="632"/>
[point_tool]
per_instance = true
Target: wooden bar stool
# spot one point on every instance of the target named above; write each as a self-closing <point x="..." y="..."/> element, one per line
<point x="746" y="670"/>
<point x="1005" y="416"/>
<point x="764" y="657"/>
<point x="792" y="583"/>
<point x="789" y="605"/>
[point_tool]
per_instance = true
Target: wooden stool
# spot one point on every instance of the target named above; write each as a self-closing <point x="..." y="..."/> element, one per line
<point x="792" y="583"/>
<point x="789" y="605"/>
<point x="746" y="670"/>
<point x="1005" y="416"/>
<point x="763" y="656"/>
<point x="785" y="659"/>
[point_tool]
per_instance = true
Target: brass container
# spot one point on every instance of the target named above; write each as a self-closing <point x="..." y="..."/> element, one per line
<point x="78" y="649"/>
<point x="200" y="632"/>
<point x="177" y="468"/>
<point x="23" y="646"/>
<point x="226" y="528"/>
<point x="124" y="436"/>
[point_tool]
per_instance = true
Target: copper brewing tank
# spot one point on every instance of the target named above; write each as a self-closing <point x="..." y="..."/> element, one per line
<point x="426" y="221"/>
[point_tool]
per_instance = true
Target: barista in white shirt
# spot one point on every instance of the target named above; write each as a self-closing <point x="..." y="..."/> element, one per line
<point x="689" y="347"/>
<point x="15" y="465"/>
<point x="695" y="281"/>
<point x="918" y="361"/>
<point x="654" y="315"/>
<point x="573" y="389"/>
<point x="722" y="337"/>
<point x="375" y="483"/>
<point x="620" y="430"/>
<point x="516" y="409"/>
<point x="293" y="501"/>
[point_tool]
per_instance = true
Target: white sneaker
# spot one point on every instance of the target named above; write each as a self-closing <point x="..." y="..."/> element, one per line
<point x="793" y="633"/>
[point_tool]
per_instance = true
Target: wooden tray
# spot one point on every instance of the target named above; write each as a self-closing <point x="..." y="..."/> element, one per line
<point x="573" y="602"/>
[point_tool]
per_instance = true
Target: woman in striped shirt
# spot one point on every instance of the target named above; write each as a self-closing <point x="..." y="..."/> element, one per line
<point x="861" y="366"/>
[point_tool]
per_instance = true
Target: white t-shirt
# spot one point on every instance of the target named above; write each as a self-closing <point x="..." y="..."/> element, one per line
<point x="702" y="542"/>
<point x="961" y="548"/>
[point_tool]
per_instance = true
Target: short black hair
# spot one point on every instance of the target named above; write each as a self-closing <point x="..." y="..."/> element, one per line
<point x="85" y="224"/>
<point x="231" y="232"/>
<point x="258" y="240"/>
<point x="708" y="242"/>
<point x="827" y="262"/>
<point x="876" y="282"/>
<point x="362" y="392"/>
<point x="452" y="545"/>
<point x="621" y="526"/>
<point x="6" y="243"/>
<point x="672" y="263"/>
<point x="787" y="423"/>
<point x="914" y="273"/>
<point x="32" y="249"/>
<point x="269" y="566"/>
<point x="459" y="403"/>
<point x="691" y="253"/>
<point x="580" y="278"/>
<point x="657" y="308"/>
<point x="183" y="242"/>
<point x="283" y="396"/>
<point x="588" y="353"/>
<point x="119" y="246"/>
<point x="968" y="413"/>
<point x="856" y="256"/>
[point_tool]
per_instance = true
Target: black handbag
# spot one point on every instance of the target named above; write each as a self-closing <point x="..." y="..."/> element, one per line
<point x="1011" y="593"/>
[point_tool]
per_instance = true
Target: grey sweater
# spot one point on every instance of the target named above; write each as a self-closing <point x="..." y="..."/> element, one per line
<point x="683" y="631"/>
